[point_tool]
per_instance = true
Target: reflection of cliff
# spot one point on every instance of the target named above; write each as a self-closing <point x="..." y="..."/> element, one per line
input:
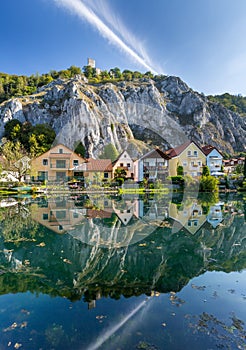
<point x="162" y="260"/>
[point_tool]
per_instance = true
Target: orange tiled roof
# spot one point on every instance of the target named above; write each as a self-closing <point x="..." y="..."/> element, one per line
<point x="99" y="165"/>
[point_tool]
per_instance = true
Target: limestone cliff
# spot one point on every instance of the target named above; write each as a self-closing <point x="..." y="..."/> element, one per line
<point x="165" y="112"/>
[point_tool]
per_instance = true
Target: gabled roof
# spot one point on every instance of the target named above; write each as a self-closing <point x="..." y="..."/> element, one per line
<point x="118" y="158"/>
<point x="174" y="152"/>
<point x="99" y="165"/>
<point x="207" y="149"/>
<point x="155" y="153"/>
<point x="57" y="154"/>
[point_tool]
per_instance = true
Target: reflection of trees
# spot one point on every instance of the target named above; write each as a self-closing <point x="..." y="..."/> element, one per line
<point x="18" y="225"/>
<point x="162" y="261"/>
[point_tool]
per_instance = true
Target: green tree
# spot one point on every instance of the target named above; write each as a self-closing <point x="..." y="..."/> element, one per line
<point x="9" y="128"/>
<point x="205" y="171"/>
<point x="180" y="170"/>
<point x="109" y="152"/>
<point x="16" y="159"/>
<point x="244" y="168"/>
<point x="208" y="184"/>
<point x="80" y="149"/>
<point x="89" y="72"/>
<point x="115" y="73"/>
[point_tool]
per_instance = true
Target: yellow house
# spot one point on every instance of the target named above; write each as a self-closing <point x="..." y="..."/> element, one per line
<point x="190" y="216"/>
<point x="58" y="215"/>
<point x="57" y="164"/>
<point x="190" y="156"/>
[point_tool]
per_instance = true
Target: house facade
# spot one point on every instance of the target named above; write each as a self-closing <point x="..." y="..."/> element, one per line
<point x="95" y="171"/>
<point x="214" y="159"/>
<point x="152" y="166"/>
<point x="57" y="164"/>
<point x="230" y="165"/>
<point x="124" y="162"/>
<point x="190" y="156"/>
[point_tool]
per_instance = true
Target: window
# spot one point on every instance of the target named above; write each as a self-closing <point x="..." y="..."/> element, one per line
<point x="75" y="215"/>
<point x="189" y="153"/>
<point x="121" y="164"/>
<point x="75" y="162"/>
<point x="184" y="163"/>
<point x="45" y="161"/>
<point x="105" y="175"/>
<point x="61" y="214"/>
<point x="42" y="175"/>
<point x="60" y="150"/>
<point x="60" y="227"/>
<point x="61" y="163"/>
<point x="128" y="165"/>
<point x="45" y="216"/>
<point x="195" y="153"/>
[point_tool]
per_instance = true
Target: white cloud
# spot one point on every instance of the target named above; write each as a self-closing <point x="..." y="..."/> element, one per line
<point x="116" y="35"/>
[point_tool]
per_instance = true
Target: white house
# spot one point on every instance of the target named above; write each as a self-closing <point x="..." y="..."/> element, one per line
<point x="125" y="162"/>
<point x="153" y="165"/>
<point x="214" y="159"/>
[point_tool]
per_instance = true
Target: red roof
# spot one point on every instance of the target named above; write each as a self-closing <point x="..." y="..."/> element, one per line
<point x="98" y="213"/>
<point x="99" y="165"/>
<point x="208" y="149"/>
<point x="173" y="152"/>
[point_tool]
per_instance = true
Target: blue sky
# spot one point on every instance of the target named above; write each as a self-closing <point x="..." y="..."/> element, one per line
<point x="201" y="41"/>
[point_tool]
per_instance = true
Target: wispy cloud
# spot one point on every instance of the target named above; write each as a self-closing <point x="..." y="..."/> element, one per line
<point x="110" y="27"/>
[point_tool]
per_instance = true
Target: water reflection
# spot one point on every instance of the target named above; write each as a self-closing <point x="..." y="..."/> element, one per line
<point x="110" y="246"/>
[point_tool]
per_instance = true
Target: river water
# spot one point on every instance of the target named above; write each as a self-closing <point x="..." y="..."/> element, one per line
<point x="123" y="272"/>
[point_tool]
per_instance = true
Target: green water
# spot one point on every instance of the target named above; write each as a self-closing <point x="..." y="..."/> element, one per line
<point x="123" y="272"/>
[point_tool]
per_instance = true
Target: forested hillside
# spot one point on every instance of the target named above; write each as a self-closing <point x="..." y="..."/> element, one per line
<point x="235" y="103"/>
<point x="21" y="85"/>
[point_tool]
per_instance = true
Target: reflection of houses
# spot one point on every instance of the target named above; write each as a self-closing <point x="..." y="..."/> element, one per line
<point x="59" y="215"/>
<point x="153" y="166"/>
<point x="188" y="215"/>
<point x="124" y="162"/>
<point x="215" y="216"/>
<point x="153" y="210"/>
<point x="126" y="210"/>
<point x="56" y="164"/>
<point x="190" y="156"/>
<point x="214" y="158"/>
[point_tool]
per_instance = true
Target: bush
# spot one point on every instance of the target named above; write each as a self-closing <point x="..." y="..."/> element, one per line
<point x="208" y="184"/>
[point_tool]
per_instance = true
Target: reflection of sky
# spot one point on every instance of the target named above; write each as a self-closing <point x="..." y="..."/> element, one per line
<point x="160" y="321"/>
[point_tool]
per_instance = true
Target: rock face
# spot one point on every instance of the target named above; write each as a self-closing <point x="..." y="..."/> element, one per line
<point x="166" y="112"/>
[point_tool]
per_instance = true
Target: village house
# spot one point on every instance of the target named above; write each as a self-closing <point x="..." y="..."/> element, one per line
<point x="152" y="166"/>
<point x="57" y="164"/>
<point x="188" y="155"/>
<point x="124" y="162"/>
<point x="214" y="159"/>
<point x="95" y="171"/>
<point x="230" y="165"/>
